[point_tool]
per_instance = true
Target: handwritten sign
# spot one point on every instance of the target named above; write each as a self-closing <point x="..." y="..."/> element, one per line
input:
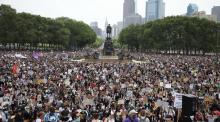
<point x="178" y="100"/>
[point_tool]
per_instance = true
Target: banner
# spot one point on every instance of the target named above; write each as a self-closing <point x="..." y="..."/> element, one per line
<point x="19" y="56"/>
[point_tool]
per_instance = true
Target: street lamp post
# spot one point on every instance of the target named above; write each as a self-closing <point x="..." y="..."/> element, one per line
<point x="217" y="51"/>
<point x="217" y="46"/>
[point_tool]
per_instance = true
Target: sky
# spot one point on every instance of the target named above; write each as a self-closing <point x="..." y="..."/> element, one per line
<point x="98" y="10"/>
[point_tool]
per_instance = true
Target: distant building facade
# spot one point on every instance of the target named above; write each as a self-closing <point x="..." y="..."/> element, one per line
<point x="116" y="29"/>
<point x="203" y="15"/>
<point x="128" y="9"/>
<point x="133" y="19"/>
<point x="96" y="29"/>
<point x="216" y="12"/>
<point x="155" y="9"/>
<point x="191" y="9"/>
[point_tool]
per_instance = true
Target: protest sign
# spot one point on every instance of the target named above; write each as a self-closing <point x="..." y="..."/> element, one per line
<point x="161" y="83"/>
<point x="178" y="100"/>
<point x="165" y="105"/>
<point x="69" y="71"/>
<point x="191" y="86"/>
<point x="121" y="102"/>
<point x="19" y="56"/>
<point x="67" y="82"/>
<point x="88" y="102"/>
<point x="168" y="86"/>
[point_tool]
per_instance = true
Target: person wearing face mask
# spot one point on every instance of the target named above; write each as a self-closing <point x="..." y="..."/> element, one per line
<point x="143" y="116"/>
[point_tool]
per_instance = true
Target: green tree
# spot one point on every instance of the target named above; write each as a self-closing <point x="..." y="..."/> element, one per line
<point x="186" y="35"/>
<point x="8" y="25"/>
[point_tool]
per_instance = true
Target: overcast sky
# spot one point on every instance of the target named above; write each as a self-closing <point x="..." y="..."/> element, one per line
<point x="99" y="10"/>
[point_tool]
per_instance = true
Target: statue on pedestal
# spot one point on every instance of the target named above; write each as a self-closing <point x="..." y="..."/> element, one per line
<point x="108" y="45"/>
<point x="109" y="31"/>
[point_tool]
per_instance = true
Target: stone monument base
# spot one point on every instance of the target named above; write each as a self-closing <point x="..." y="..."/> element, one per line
<point x="108" y="49"/>
<point x="108" y="57"/>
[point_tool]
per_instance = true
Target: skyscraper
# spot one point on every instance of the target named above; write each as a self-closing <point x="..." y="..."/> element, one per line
<point x="128" y="8"/>
<point x="136" y="6"/>
<point x="132" y="19"/>
<point x="106" y="23"/>
<point x="155" y="9"/>
<point x="203" y="15"/>
<point x="96" y="29"/>
<point x="216" y="12"/>
<point x="191" y="9"/>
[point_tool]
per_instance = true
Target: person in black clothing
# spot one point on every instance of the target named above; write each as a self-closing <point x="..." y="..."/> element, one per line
<point x="217" y="119"/>
<point x="19" y="116"/>
<point x="64" y="115"/>
<point x="185" y="119"/>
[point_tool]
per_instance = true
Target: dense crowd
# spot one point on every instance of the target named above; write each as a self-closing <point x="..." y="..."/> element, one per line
<point x="52" y="87"/>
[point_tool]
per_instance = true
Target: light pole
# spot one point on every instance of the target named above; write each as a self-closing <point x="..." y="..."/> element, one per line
<point x="217" y="46"/>
<point x="217" y="50"/>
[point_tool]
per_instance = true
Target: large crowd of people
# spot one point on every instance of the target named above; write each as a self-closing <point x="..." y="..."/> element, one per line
<point x="53" y="87"/>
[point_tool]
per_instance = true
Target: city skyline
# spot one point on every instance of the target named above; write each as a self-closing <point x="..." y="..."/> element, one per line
<point x="97" y="10"/>
<point x="155" y="9"/>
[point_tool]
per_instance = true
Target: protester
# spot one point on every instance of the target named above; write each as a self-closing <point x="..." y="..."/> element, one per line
<point x="60" y="86"/>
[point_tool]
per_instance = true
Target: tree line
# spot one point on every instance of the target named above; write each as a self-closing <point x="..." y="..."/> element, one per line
<point x="176" y="34"/>
<point x="33" y="32"/>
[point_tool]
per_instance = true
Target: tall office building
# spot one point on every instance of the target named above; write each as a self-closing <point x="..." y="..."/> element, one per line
<point x="133" y="19"/>
<point x="106" y="23"/>
<point x="96" y="29"/>
<point x="128" y="8"/>
<point x="136" y="6"/>
<point x="155" y="9"/>
<point x="191" y="9"/>
<point x="116" y="29"/>
<point x="203" y="15"/>
<point x="216" y="12"/>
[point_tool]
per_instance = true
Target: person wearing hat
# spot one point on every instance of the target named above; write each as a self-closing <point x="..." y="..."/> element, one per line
<point x="132" y="116"/>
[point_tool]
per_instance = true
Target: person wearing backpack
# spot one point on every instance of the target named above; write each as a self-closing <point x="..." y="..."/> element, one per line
<point x="51" y="116"/>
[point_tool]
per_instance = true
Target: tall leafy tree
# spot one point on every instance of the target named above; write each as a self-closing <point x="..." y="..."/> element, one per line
<point x="27" y="31"/>
<point x="176" y="34"/>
